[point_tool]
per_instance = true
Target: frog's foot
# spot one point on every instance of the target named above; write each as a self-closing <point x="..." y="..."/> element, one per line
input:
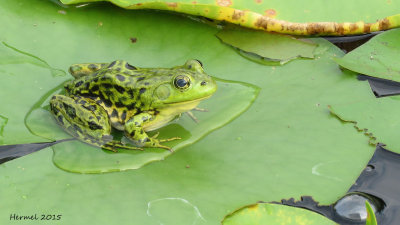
<point x="200" y="109"/>
<point x="192" y="116"/>
<point x="114" y="145"/>
<point x="153" y="142"/>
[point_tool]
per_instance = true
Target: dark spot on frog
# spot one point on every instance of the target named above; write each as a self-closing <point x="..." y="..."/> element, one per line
<point x="119" y="89"/>
<point x="130" y="67"/>
<point x="91" y="117"/>
<point x="114" y="113"/>
<point x="130" y="106"/>
<point x="83" y="102"/>
<point x="78" y="83"/>
<point x="70" y="110"/>
<point x="78" y="129"/>
<point x="140" y="78"/>
<point x="145" y="118"/>
<point x="203" y="83"/>
<point x="132" y="134"/>
<point x="146" y="83"/>
<point x="60" y="119"/>
<point x="92" y="66"/>
<point x="95" y="80"/>
<point x="123" y="115"/>
<point x="112" y="64"/>
<point x="106" y="85"/>
<point x="142" y="90"/>
<point x="98" y="117"/>
<point x="94" y="126"/>
<point x="119" y="104"/>
<point x="118" y="69"/>
<point x="190" y="67"/>
<point x="136" y="124"/>
<point x="141" y="132"/>
<point x="120" y="77"/>
<point x="107" y="103"/>
<point x="133" y="39"/>
<point x="95" y="88"/>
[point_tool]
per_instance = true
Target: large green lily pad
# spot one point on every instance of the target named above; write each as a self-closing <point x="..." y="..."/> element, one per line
<point x="287" y="144"/>
<point x="378" y="57"/>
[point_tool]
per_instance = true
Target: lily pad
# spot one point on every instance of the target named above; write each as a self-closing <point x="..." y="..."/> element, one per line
<point x="378" y="57"/>
<point x="258" y="14"/>
<point x="266" y="213"/>
<point x="82" y="158"/>
<point x="268" y="46"/>
<point x="375" y="117"/>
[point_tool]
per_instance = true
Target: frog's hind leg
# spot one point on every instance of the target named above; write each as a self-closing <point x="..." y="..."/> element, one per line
<point x="84" y="69"/>
<point x="85" y="120"/>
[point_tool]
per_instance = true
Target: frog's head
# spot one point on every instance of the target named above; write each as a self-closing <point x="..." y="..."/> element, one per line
<point x="186" y="85"/>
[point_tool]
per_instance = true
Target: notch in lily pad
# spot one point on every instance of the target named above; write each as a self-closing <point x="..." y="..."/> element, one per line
<point x="267" y="48"/>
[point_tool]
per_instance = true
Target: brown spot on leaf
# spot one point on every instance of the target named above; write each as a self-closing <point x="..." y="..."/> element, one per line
<point x="237" y="14"/>
<point x="194" y="2"/>
<point x="353" y="27"/>
<point x="224" y="3"/>
<point x="262" y="22"/>
<point x="270" y="13"/>
<point x="258" y="1"/>
<point x="133" y="39"/>
<point x="384" y="24"/>
<point x="172" y="4"/>
<point x="315" y="28"/>
<point x="339" y="28"/>
<point x="367" y="28"/>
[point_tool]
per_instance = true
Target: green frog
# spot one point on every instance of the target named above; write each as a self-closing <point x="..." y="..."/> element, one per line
<point x="134" y="100"/>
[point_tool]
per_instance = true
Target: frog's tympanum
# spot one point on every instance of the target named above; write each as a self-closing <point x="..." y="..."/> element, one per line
<point x="134" y="100"/>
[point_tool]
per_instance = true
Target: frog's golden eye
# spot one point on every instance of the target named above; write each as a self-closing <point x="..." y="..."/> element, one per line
<point x="182" y="82"/>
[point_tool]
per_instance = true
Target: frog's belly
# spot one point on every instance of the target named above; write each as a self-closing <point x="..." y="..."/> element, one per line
<point x="158" y="122"/>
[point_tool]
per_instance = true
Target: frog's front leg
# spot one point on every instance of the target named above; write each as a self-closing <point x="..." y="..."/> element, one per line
<point x="84" y="119"/>
<point x="134" y="131"/>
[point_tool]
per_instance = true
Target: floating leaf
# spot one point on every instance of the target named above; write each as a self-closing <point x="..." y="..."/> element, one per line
<point x="266" y="213"/>
<point x="268" y="46"/>
<point x="257" y="14"/>
<point x="371" y="219"/>
<point x="378" y="57"/>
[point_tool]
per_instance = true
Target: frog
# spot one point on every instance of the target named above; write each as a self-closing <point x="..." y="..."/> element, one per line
<point x="104" y="97"/>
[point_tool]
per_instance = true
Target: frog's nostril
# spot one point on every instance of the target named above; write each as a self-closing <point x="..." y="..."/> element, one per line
<point x="203" y="83"/>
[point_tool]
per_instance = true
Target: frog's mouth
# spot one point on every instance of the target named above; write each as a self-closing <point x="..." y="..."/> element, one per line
<point x="190" y="101"/>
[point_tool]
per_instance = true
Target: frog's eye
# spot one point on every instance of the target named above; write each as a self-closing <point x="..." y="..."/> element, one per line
<point x="182" y="82"/>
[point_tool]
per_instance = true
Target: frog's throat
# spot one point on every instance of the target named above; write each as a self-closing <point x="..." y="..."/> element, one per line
<point x="169" y="112"/>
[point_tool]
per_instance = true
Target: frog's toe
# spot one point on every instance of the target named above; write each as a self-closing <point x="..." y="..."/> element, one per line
<point x="169" y="139"/>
